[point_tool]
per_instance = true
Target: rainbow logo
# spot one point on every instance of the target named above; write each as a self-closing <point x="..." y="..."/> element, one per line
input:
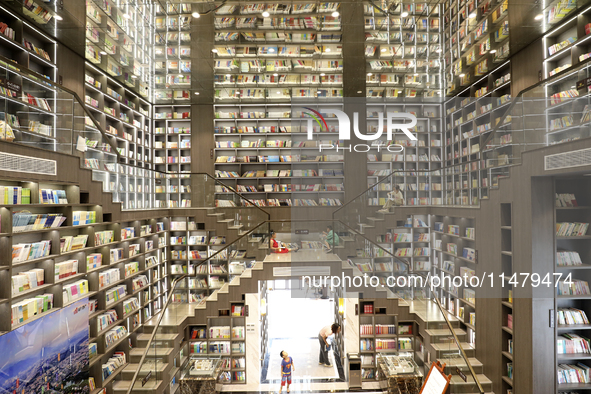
<point x="317" y="117"/>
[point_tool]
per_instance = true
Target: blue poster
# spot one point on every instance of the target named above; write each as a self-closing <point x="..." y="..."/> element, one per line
<point x="48" y="355"/>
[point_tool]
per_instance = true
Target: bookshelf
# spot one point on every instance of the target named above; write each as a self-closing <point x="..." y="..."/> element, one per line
<point x="120" y="266"/>
<point x="262" y="63"/>
<point x="454" y="255"/>
<point x="476" y="36"/>
<point x="172" y="53"/>
<point x="378" y="332"/>
<point x="119" y="41"/>
<point x="468" y="120"/>
<point x="403" y="51"/>
<point x="27" y="45"/>
<point x="571" y="259"/>
<point x="507" y="299"/>
<point x="125" y="116"/>
<point x="263" y="152"/>
<point x="172" y="155"/>
<point x="418" y="167"/>
<point x="223" y="336"/>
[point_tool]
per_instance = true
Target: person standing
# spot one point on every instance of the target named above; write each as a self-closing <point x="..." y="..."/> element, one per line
<point x="287" y="368"/>
<point x="323" y="335"/>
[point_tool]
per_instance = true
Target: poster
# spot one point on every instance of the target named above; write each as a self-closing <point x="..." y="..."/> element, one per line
<point x="48" y="355"/>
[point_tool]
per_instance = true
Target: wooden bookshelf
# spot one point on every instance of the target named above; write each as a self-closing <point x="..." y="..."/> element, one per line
<point x="468" y="120"/>
<point x="454" y="254"/>
<point x="378" y="332"/>
<point x="507" y="297"/>
<point x="172" y="154"/>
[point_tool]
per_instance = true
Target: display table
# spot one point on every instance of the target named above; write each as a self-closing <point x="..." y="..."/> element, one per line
<point x="200" y="375"/>
<point x="400" y="374"/>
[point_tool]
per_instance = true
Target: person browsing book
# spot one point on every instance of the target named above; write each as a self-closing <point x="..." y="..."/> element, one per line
<point x="287" y="368"/>
<point x="323" y="336"/>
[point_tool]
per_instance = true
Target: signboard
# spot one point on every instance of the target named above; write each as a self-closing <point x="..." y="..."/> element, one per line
<point x="302" y="231"/>
<point x="15" y="87"/>
<point x="583" y="83"/>
<point x="461" y="374"/>
<point x="145" y="380"/>
<point x="436" y="381"/>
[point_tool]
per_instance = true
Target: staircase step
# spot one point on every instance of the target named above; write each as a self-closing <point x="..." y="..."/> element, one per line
<point x="225" y="220"/>
<point x="121" y="386"/>
<point x="129" y="370"/>
<point x="156" y="352"/>
<point x="238" y="227"/>
<point x="444" y="332"/>
<point x="375" y="219"/>
<point x="158" y="337"/>
<point x="216" y="214"/>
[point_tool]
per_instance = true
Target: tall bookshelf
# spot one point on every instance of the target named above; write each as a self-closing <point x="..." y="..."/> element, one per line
<point x="378" y="333"/>
<point x="120" y="266"/>
<point x="172" y="53"/>
<point x="468" y="121"/>
<point x="294" y="52"/>
<point x="224" y="336"/>
<point x="507" y="300"/>
<point x="418" y="167"/>
<point x="119" y="40"/>
<point x="172" y="155"/>
<point x="454" y="255"/>
<point x="476" y="36"/>
<point x="571" y="259"/>
<point x="403" y="51"/>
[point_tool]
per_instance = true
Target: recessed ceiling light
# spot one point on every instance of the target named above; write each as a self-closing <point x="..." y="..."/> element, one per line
<point x="369" y="74"/>
<point x="359" y="91"/>
<point x="196" y="93"/>
<point x="493" y="51"/>
<point x="103" y="53"/>
<point x="472" y="15"/>
<point x="327" y="50"/>
<point x="462" y="75"/>
<point x="404" y="14"/>
<point x="214" y="50"/>
<point x="322" y="74"/>
<point x="573" y="87"/>
<point x="275" y="75"/>
<point x="416" y="74"/>
<point x="539" y="16"/>
<point x="438" y="51"/>
<point x="271" y="50"/>
<point x="266" y="14"/>
<point x="58" y="17"/>
<point x="134" y="76"/>
<point x="400" y="91"/>
<point x="228" y="75"/>
<point x="335" y="14"/>
<point x="383" y="49"/>
<point x="196" y="14"/>
<point x="278" y="92"/>
<point x="126" y="16"/>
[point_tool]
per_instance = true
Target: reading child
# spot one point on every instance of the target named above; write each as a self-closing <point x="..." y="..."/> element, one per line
<point x="286" y="368"/>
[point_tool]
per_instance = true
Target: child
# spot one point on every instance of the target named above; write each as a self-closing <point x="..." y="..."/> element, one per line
<point x="286" y="368"/>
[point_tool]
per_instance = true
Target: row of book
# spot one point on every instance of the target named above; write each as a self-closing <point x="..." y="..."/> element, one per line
<point x="571" y="229"/>
<point x="575" y="287"/>
<point x="572" y="316"/>
<point x="572" y="344"/>
<point x="106" y="319"/>
<point x="115" y="294"/>
<point x="25" y="221"/>
<point x="108" y="277"/>
<point x="27" y="280"/>
<point x="24" y="252"/>
<point x="30" y="307"/>
<point x="573" y="373"/>
<point x="568" y="258"/>
<point x="65" y="269"/>
<point x="74" y="291"/>
<point x="566" y="200"/>
<point x="93" y="261"/>
<point x="15" y="195"/>
<point x="70" y="243"/>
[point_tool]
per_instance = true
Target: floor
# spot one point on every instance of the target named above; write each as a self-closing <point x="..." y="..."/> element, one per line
<point x="295" y="330"/>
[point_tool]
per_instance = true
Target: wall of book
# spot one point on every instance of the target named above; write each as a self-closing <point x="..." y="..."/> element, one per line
<point x="454" y="255"/>
<point x="120" y="41"/>
<point x="507" y="296"/>
<point x="172" y="53"/>
<point x="418" y="166"/>
<point x="191" y="244"/>
<point x="263" y="151"/>
<point x="468" y="121"/>
<point x="272" y="52"/>
<point x="476" y="36"/>
<point x="62" y="250"/>
<point x="172" y="155"/>
<point x="572" y="299"/>
<point x="403" y="50"/>
<point x="223" y="336"/>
